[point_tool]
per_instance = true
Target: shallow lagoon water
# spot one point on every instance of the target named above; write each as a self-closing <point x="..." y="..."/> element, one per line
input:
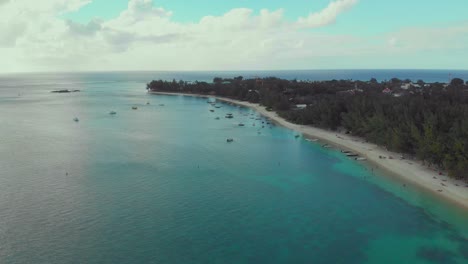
<point x="161" y="185"/>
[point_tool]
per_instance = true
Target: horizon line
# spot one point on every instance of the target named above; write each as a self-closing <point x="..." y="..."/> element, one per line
<point x="247" y="70"/>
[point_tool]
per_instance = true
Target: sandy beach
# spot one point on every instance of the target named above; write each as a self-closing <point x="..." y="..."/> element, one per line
<point x="411" y="171"/>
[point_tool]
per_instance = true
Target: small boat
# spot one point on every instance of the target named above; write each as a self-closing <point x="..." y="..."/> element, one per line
<point x="134" y="107"/>
<point x="229" y="116"/>
<point x="351" y="155"/>
<point x="297" y="136"/>
<point x="211" y="110"/>
<point x="217" y="118"/>
<point x="76" y="119"/>
<point x="241" y="124"/>
<point x="361" y="159"/>
<point x="326" y="146"/>
<point x="217" y="106"/>
<point x="230" y="140"/>
<point x="161" y="105"/>
<point x="112" y="113"/>
<point x="147" y="103"/>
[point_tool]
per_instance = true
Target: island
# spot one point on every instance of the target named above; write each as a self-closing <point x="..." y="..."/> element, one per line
<point x="416" y="130"/>
<point x="65" y="91"/>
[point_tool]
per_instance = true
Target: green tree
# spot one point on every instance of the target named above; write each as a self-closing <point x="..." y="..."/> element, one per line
<point x="456" y="82"/>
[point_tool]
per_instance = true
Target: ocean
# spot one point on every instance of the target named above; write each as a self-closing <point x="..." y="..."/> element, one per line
<point x="160" y="184"/>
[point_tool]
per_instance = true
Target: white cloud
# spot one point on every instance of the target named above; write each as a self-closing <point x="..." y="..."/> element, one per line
<point x="11" y="32"/>
<point x="90" y="29"/>
<point x="141" y="10"/>
<point x="393" y="42"/>
<point x="328" y="15"/>
<point x="145" y="37"/>
<point x="139" y="33"/>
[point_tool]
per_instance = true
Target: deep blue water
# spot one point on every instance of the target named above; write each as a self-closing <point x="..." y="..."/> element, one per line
<point x="161" y="185"/>
<point x="58" y="79"/>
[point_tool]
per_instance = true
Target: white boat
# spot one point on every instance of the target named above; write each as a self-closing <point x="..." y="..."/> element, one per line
<point x="361" y="159"/>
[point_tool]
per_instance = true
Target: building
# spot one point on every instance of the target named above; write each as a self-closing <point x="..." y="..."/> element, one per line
<point x="387" y="91"/>
<point x="301" y="106"/>
<point x="406" y="86"/>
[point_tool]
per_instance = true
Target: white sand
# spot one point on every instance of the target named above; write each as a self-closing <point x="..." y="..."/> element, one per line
<point x="408" y="170"/>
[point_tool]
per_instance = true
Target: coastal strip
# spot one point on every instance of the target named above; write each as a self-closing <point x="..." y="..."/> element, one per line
<point x="411" y="171"/>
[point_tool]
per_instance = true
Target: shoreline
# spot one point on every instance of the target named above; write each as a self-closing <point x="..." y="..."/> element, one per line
<point x="411" y="171"/>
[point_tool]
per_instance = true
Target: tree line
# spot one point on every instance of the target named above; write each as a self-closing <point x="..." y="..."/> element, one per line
<point x="428" y="121"/>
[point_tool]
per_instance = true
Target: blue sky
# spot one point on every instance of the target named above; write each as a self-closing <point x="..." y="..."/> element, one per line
<point x="89" y="35"/>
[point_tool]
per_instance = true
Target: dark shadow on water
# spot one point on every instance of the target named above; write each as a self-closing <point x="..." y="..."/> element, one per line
<point x="436" y="255"/>
<point x="463" y="249"/>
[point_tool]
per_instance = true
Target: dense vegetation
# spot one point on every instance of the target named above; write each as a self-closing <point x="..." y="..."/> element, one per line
<point x="426" y="121"/>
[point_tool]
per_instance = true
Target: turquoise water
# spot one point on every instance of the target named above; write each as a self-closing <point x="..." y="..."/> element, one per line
<point x="161" y="185"/>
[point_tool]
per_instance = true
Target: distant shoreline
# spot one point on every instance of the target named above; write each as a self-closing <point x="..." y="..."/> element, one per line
<point x="407" y="170"/>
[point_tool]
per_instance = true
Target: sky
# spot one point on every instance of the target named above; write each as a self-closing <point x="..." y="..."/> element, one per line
<point x="109" y="35"/>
